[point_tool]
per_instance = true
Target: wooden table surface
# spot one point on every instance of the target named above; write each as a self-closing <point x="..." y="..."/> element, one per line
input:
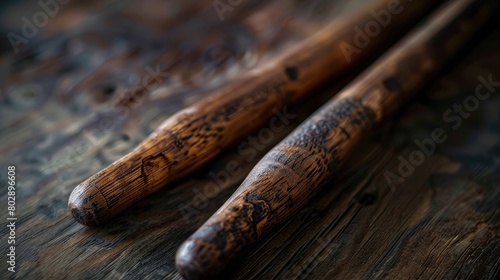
<point x="392" y="214"/>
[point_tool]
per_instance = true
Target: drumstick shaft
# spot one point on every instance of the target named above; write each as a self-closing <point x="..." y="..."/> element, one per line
<point x="292" y="172"/>
<point x="192" y="137"/>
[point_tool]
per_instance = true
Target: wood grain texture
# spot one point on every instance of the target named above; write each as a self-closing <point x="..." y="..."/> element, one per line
<point x="442" y="222"/>
<point x="195" y="135"/>
<point x="290" y="174"/>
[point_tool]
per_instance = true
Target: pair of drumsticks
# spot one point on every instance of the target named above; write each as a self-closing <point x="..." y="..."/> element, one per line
<point x="291" y="173"/>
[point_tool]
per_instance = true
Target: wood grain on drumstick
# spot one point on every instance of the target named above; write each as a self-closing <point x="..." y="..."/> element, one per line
<point x="198" y="133"/>
<point x="293" y="171"/>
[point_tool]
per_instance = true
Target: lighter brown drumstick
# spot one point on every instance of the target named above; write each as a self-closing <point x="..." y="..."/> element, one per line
<point x="293" y="171"/>
<point x="197" y="134"/>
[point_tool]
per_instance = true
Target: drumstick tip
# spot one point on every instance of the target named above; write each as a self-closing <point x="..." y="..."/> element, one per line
<point x="87" y="205"/>
<point x="186" y="263"/>
<point x="196" y="259"/>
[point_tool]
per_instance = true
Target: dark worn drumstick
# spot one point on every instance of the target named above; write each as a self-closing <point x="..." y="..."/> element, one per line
<point x="197" y="134"/>
<point x="293" y="171"/>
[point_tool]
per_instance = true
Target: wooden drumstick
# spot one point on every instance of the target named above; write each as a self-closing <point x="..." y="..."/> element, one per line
<point x="292" y="172"/>
<point x="192" y="137"/>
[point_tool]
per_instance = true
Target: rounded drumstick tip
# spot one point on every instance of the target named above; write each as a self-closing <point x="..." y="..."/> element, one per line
<point x="195" y="261"/>
<point x="88" y="206"/>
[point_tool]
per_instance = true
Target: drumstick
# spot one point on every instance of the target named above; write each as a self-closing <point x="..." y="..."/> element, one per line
<point x="192" y="137"/>
<point x="292" y="172"/>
